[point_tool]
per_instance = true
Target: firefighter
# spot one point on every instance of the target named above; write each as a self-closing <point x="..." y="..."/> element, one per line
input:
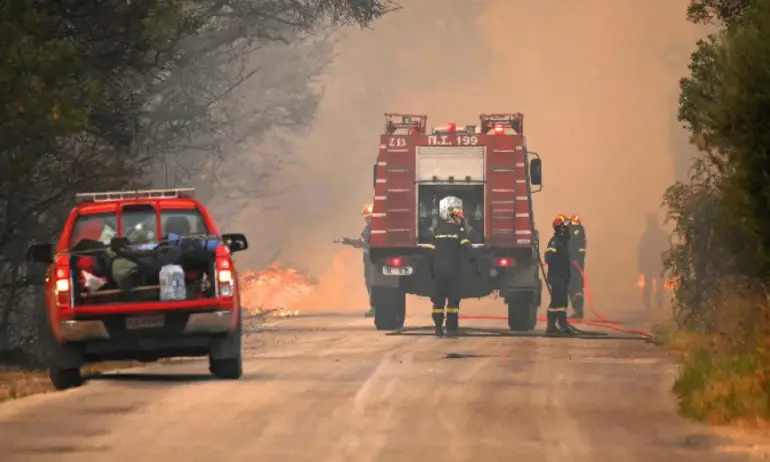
<point x="577" y="250"/>
<point x="363" y="244"/>
<point x="557" y="258"/>
<point x="450" y="245"/>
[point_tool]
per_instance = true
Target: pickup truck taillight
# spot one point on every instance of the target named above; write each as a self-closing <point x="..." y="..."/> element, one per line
<point x="63" y="285"/>
<point x="224" y="272"/>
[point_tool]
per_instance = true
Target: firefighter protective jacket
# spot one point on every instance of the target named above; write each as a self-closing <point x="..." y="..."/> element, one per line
<point x="577" y="244"/>
<point x="558" y="259"/>
<point x="450" y="244"/>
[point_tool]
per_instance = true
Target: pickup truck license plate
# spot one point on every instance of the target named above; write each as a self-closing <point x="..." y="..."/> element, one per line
<point x="400" y="271"/>
<point x="145" y="322"/>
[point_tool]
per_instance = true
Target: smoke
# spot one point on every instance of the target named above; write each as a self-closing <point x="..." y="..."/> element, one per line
<point x="598" y="84"/>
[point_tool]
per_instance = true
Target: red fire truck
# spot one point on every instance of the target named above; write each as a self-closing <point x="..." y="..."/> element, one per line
<point x="488" y="167"/>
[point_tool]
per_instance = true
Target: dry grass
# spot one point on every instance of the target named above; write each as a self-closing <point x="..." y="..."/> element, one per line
<point x="725" y="373"/>
<point x="679" y="343"/>
<point x="18" y="383"/>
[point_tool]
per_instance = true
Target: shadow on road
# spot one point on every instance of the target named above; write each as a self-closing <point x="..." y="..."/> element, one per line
<point x="150" y="377"/>
<point x="295" y="329"/>
<point x="476" y="332"/>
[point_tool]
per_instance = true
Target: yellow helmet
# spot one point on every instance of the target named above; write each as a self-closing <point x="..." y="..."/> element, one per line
<point x="367" y="211"/>
<point x="575" y="219"/>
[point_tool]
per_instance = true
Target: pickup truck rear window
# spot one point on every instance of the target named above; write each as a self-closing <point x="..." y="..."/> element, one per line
<point x="101" y="227"/>
<point x="182" y="222"/>
<point x="138" y="226"/>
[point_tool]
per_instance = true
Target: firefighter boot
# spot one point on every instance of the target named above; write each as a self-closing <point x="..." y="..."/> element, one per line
<point x="452" y="322"/>
<point x="438" y="321"/>
<point x="551" y="328"/>
<point x="577" y="305"/>
<point x="564" y="327"/>
<point x="370" y="313"/>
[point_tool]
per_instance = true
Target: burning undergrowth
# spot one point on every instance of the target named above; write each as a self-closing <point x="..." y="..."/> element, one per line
<point x="281" y="290"/>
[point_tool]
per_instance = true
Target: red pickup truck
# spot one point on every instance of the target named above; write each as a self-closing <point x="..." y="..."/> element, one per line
<point x="106" y="294"/>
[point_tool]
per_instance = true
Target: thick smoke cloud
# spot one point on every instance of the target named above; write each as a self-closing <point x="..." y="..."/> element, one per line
<point x="597" y="83"/>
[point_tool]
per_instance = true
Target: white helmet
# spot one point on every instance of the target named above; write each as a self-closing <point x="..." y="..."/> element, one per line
<point x="447" y="205"/>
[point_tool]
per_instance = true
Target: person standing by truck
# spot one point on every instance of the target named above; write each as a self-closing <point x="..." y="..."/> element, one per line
<point x="577" y="251"/>
<point x="449" y="246"/>
<point x="557" y="257"/>
<point x="363" y="244"/>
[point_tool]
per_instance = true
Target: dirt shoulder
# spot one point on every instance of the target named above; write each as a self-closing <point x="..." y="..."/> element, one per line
<point x="17" y="382"/>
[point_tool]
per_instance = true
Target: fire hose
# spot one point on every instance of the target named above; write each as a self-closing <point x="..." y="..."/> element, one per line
<point x="599" y="321"/>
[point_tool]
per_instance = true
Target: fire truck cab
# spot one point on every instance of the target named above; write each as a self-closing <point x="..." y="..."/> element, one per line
<point x="488" y="167"/>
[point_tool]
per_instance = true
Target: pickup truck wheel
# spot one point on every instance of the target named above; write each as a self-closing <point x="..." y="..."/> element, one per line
<point x="231" y="368"/>
<point x="522" y="311"/>
<point x="389" y="308"/>
<point x="63" y="379"/>
<point x="225" y="360"/>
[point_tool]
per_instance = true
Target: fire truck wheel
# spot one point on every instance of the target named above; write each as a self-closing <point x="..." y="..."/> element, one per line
<point x="225" y="356"/>
<point x="533" y="317"/>
<point x="522" y="310"/>
<point x="63" y="379"/>
<point x="389" y="308"/>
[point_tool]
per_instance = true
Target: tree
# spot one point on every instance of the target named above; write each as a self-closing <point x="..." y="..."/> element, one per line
<point x="721" y="214"/>
<point x="726" y="102"/>
<point x="100" y="94"/>
<point x="723" y="11"/>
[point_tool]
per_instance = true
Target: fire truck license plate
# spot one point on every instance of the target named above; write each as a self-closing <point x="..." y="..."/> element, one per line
<point x="400" y="271"/>
<point x="145" y="322"/>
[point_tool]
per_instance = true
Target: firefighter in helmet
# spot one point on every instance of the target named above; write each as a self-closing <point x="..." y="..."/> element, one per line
<point x="363" y="244"/>
<point x="577" y="250"/>
<point x="559" y="273"/>
<point x="450" y="244"/>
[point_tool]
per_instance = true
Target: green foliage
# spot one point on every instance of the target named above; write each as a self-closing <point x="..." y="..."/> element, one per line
<point x="723" y="11"/>
<point x="722" y="388"/>
<point x="99" y="95"/>
<point x="721" y="259"/>
<point x="698" y="256"/>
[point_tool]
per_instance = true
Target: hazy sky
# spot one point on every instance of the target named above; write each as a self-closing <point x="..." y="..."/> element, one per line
<point x="597" y="83"/>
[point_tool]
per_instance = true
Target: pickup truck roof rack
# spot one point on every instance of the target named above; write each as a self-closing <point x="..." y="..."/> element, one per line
<point x="407" y="122"/>
<point x="82" y="198"/>
<point x="514" y="121"/>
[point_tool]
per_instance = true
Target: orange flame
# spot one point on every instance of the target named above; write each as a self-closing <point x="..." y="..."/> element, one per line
<point x="672" y="282"/>
<point x="273" y="288"/>
<point x="280" y="288"/>
<point x="669" y="284"/>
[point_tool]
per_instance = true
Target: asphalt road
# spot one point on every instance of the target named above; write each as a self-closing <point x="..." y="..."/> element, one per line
<point x="333" y="389"/>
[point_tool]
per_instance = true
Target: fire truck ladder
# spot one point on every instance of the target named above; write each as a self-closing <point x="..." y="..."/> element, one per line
<point x="403" y="124"/>
<point x="514" y="121"/>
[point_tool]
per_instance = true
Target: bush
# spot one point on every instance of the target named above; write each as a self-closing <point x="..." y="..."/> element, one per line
<point x="721" y="255"/>
<point x="725" y="374"/>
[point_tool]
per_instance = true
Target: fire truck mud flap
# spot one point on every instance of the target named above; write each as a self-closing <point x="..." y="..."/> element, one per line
<point x="389" y="307"/>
